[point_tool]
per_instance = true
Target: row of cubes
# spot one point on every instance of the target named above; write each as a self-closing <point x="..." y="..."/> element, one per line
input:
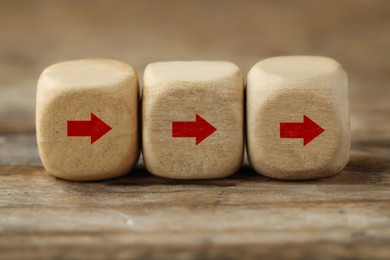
<point x="192" y="118"/>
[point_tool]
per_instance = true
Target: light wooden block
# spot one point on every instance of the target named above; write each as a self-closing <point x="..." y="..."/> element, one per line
<point x="192" y="119"/>
<point x="94" y="98"/>
<point x="285" y="91"/>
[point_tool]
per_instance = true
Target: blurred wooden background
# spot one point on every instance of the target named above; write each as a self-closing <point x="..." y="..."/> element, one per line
<point x="245" y="216"/>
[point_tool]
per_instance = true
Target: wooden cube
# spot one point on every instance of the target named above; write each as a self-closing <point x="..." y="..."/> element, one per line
<point x="87" y="119"/>
<point x="192" y="119"/>
<point x="298" y="117"/>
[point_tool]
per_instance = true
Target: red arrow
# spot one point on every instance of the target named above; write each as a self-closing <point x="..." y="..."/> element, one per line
<point x="200" y="129"/>
<point x="308" y="130"/>
<point x="95" y="128"/>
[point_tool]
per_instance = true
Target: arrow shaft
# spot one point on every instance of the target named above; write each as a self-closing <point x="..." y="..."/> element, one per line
<point x="292" y="130"/>
<point x="184" y="129"/>
<point x="79" y="128"/>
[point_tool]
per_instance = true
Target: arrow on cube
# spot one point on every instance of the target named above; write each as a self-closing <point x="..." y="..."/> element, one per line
<point x="200" y="129"/>
<point x="95" y="128"/>
<point x="308" y="130"/>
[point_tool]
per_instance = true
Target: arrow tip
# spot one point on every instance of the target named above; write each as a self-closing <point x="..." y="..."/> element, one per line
<point x="204" y="129"/>
<point x="99" y="128"/>
<point x="312" y="130"/>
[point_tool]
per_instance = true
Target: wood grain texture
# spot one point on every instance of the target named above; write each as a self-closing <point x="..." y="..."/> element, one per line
<point x="245" y="216"/>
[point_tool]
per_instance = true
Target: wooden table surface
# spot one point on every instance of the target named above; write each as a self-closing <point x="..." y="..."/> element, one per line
<point x="245" y="216"/>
